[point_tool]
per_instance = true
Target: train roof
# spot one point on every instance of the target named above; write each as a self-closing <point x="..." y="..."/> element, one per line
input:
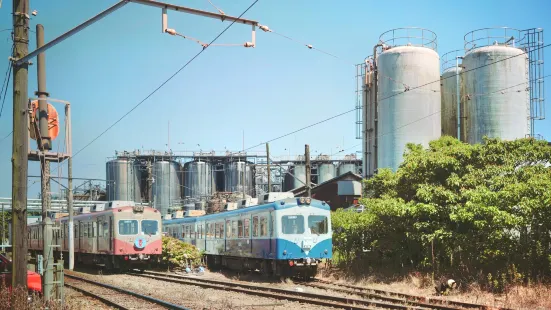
<point x="104" y="212"/>
<point x="276" y="205"/>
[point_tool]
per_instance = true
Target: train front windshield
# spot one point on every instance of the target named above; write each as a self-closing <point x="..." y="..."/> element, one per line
<point x="150" y="227"/>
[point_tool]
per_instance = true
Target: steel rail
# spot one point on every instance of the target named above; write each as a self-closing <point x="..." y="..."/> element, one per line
<point x="98" y="297"/>
<point x="409" y="297"/>
<point x="276" y="293"/>
<point x="127" y="292"/>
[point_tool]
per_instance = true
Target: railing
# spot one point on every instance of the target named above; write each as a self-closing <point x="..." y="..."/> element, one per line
<point x="494" y="36"/>
<point x="409" y="36"/>
<point x="449" y="60"/>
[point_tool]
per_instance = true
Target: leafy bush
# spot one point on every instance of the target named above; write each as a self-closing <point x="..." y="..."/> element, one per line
<point x="177" y="253"/>
<point x="477" y="210"/>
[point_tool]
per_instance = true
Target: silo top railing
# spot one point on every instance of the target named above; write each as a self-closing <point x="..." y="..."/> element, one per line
<point x="504" y="36"/>
<point x="409" y="36"/>
<point x="449" y="59"/>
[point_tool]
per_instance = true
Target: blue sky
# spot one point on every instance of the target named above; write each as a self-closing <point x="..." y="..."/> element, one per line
<point x="270" y="90"/>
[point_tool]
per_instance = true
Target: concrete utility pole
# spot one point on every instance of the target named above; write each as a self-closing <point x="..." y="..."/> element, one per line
<point x="44" y="145"/>
<point x="20" y="145"/>
<point x="308" y="169"/>
<point x="268" y="167"/>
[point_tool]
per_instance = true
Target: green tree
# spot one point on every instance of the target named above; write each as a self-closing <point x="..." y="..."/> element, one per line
<point x="480" y="209"/>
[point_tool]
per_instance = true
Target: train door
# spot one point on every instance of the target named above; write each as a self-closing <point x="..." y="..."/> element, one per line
<point x="111" y="232"/>
<point x="271" y="232"/>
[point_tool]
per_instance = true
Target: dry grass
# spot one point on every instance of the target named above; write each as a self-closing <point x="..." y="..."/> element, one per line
<point x="515" y="297"/>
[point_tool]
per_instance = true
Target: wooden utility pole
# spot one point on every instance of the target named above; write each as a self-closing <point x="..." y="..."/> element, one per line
<point x="308" y="169"/>
<point x="20" y="145"/>
<point x="268" y="167"/>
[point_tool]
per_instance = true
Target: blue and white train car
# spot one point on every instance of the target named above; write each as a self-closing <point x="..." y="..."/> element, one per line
<point x="284" y="238"/>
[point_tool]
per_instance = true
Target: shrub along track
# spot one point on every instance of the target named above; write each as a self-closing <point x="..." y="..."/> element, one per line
<point x="432" y="303"/>
<point x="115" y="296"/>
<point x="374" y="302"/>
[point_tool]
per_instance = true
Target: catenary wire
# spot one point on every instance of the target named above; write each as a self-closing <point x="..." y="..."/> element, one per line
<point x="5" y="84"/>
<point x="160" y="86"/>
<point x="396" y="94"/>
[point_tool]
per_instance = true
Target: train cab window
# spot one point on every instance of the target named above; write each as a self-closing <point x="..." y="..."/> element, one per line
<point x="128" y="227"/>
<point x="239" y="229"/>
<point x="263" y="226"/>
<point x="255" y="226"/>
<point x="228" y="229"/>
<point x="317" y="224"/>
<point x="150" y="227"/>
<point x="292" y="224"/>
<point x="246" y="228"/>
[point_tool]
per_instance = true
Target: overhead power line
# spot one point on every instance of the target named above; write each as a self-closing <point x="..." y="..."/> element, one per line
<point x="396" y="94"/>
<point x="159" y="87"/>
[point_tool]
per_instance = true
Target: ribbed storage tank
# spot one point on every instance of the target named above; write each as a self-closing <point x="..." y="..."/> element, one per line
<point x="497" y="101"/>
<point x="408" y="59"/>
<point x="347" y="167"/>
<point x="450" y="82"/>
<point x="123" y="180"/>
<point x="166" y="188"/>
<point x="299" y="172"/>
<point x="326" y="172"/>
<point x="198" y="179"/>
<point x="233" y="172"/>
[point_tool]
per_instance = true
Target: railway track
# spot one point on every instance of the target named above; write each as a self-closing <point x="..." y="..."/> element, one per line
<point x="115" y="296"/>
<point x="302" y="297"/>
<point x="432" y="303"/>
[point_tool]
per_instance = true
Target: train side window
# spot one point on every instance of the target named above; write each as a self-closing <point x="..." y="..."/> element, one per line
<point x="84" y="230"/>
<point x="255" y="226"/>
<point x="234" y="229"/>
<point x="246" y="228"/>
<point x="263" y="226"/>
<point x="228" y="229"/>
<point x="100" y="229"/>
<point x="105" y="229"/>
<point x="212" y="230"/>
<point x="183" y="231"/>
<point x="239" y="229"/>
<point x="94" y="229"/>
<point x="216" y="230"/>
<point x="221" y="227"/>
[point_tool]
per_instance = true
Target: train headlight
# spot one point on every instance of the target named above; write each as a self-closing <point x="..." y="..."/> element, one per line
<point x="302" y="200"/>
<point x="308" y="260"/>
<point x="284" y="252"/>
<point x="325" y="251"/>
<point x="308" y="200"/>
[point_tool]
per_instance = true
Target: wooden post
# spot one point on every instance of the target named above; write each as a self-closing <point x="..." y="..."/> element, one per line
<point x="20" y="146"/>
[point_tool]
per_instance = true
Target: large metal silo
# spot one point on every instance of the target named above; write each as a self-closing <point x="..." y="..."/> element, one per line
<point x="198" y="179"/>
<point x="450" y="83"/>
<point x="345" y="167"/>
<point x="234" y="172"/>
<point x="326" y="172"/>
<point x="166" y="188"/>
<point x="406" y="114"/>
<point x="123" y="180"/>
<point x="495" y="81"/>
<point x="296" y="177"/>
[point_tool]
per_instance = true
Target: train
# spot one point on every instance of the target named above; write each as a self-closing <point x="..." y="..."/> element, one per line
<point x="281" y="236"/>
<point x="116" y="236"/>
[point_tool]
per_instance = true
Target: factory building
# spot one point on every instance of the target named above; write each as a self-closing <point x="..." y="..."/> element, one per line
<point x="491" y="88"/>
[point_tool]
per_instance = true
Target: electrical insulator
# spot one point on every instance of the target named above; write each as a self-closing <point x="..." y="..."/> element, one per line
<point x="171" y="31"/>
<point x="248" y="44"/>
<point x="309" y="46"/>
<point x="265" y="28"/>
